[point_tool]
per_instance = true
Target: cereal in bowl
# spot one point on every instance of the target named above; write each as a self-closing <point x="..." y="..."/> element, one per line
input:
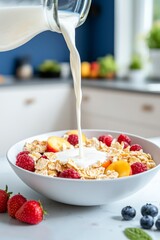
<point x="104" y="157"/>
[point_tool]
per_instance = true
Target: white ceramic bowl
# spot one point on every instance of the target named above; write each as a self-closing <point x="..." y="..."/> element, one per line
<point x="86" y="192"/>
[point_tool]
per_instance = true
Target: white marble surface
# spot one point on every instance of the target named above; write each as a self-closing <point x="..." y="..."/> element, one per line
<point x="65" y="222"/>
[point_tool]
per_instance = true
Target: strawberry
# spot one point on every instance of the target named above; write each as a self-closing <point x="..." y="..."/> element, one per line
<point x="30" y="212"/>
<point x="4" y="196"/>
<point x="14" y="204"/>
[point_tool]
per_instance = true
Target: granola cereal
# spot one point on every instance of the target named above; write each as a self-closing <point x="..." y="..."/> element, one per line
<point x="100" y="161"/>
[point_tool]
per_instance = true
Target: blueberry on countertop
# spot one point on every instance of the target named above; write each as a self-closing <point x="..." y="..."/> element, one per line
<point x="147" y="222"/>
<point x="157" y="223"/>
<point x="128" y="213"/>
<point x="150" y="210"/>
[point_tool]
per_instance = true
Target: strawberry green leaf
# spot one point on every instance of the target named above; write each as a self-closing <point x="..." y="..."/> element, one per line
<point x="9" y="193"/>
<point x="44" y="211"/>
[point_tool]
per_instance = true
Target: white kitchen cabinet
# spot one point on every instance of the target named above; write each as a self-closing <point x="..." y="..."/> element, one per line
<point x="29" y="110"/>
<point x="131" y="112"/>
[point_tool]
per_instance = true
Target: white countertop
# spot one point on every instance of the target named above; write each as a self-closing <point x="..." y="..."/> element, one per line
<point x="65" y="222"/>
<point x="149" y="86"/>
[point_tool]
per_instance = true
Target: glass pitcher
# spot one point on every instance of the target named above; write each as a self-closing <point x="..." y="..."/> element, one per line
<point x="21" y="20"/>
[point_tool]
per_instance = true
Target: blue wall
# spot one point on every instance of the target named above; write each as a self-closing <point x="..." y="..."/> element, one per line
<point x="102" y="30"/>
<point x="94" y="38"/>
<point x="47" y="45"/>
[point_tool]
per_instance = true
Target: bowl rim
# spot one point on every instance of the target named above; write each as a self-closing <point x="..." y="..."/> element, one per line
<point x="157" y="167"/>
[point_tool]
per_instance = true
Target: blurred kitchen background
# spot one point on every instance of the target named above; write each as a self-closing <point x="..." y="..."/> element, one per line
<point x="119" y="46"/>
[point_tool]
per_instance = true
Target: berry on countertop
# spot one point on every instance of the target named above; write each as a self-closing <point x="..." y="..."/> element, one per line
<point x="4" y="196"/>
<point x="157" y="223"/>
<point x="150" y="210"/>
<point x="135" y="147"/>
<point x="25" y="161"/>
<point x="124" y="138"/>
<point x="73" y="139"/>
<point x="147" y="222"/>
<point x="14" y="204"/>
<point x="128" y="213"/>
<point x="138" y="167"/>
<point x="30" y="212"/>
<point x="69" y="173"/>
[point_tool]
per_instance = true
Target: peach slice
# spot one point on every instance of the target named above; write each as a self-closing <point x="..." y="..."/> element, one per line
<point x="55" y="144"/>
<point x="123" y="168"/>
<point x="107" y="163"/>
<point x="76" y="133"/>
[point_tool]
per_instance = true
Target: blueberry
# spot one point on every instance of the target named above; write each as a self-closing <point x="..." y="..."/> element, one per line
<point x="157" y="223"/>
<point x="146" y="222"/>
<point x="150" y="210"/>
<point x="128" y="213"/>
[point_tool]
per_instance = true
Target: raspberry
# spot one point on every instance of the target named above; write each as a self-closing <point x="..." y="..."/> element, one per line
<point x="135" y="147"/>
<point x="138" y="167"/>
<point x="125" y="145"/>
<point x="69" y="173"/>
<point x="73" y="139"/>
<point x="124" y="138"/>
<point x="101" y="138"/>
<point x="107" y="139"/>
<point x="21" y="153"/>
<point x="24" y="161"/>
